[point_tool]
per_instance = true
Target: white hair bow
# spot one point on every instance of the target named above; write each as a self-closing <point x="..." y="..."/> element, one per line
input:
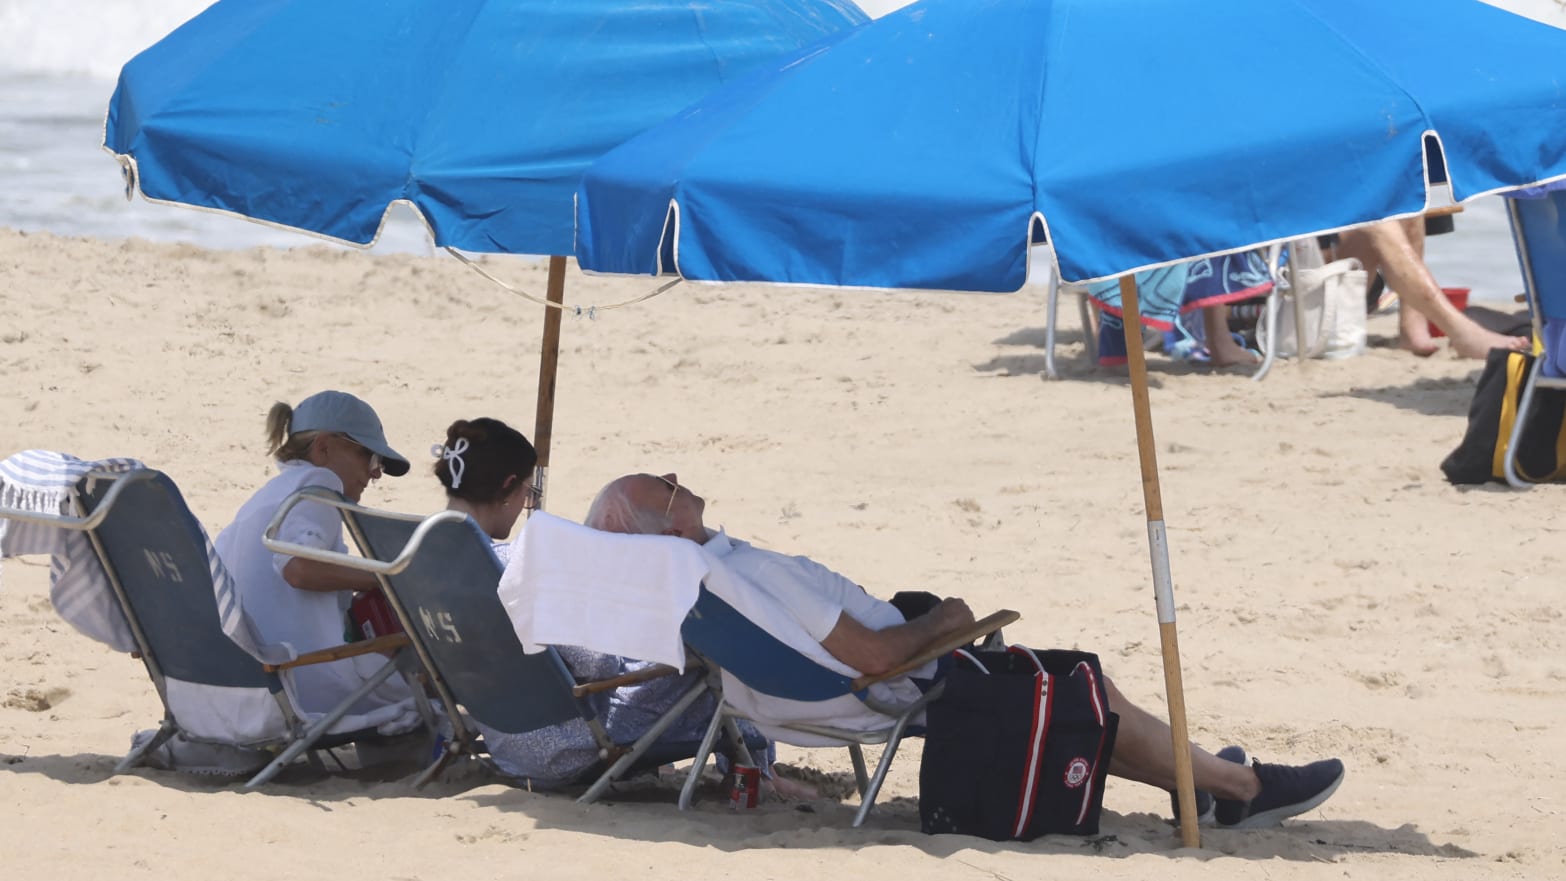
<point x="453" y="457"/>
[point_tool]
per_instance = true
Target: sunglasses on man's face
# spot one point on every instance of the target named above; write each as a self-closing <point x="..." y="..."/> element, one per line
<point x="674" y="491"/>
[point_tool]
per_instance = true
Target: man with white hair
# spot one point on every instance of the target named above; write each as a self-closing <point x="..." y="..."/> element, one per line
<point x="873" y="637"/>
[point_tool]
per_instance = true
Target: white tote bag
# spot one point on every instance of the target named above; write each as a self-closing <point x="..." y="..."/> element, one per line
<point x="1334" y="305"/>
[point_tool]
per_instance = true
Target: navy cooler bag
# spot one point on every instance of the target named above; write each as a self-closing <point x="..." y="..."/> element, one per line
<point x="1017" y="746"/>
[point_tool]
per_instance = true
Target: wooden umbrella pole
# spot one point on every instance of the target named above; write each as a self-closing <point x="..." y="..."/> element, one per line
<point x="548" y="361"/>
<point x="1158" y="546"/>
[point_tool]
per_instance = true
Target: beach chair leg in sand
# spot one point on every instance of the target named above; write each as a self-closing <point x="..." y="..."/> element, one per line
<point x="317" y="729"/>
<point x="1084" y="311"/>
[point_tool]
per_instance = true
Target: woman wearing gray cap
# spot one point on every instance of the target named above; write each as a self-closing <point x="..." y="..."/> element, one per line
<point x="332" y="440"/>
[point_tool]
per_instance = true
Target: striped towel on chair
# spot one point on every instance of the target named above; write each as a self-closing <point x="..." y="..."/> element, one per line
<point x="40" y="482"/>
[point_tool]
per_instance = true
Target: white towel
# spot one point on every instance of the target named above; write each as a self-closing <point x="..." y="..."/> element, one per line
<point x="622" y="595"/>
<point x="40" y="482"/>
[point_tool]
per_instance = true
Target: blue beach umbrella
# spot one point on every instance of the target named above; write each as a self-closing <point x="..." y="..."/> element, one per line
<point x="930" y="148"/>
<point x="316" y="115"/>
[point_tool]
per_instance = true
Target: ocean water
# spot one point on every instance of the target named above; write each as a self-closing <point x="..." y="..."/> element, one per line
<point x="59" y="60"/>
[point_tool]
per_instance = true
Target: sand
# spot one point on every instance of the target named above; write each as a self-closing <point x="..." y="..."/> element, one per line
<point x="1335" y="595"/>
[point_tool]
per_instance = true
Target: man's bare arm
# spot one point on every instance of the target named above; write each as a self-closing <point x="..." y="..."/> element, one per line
<point x="876" y="651"/>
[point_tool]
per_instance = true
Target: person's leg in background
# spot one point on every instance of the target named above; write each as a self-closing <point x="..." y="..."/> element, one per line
<point x="1395" y="248"/>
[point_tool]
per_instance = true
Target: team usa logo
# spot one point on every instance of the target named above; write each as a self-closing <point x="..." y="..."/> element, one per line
<point x="1076" y="772"/>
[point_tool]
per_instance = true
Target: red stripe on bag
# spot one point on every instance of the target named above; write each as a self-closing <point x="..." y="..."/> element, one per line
<point x="1043" y="701"/>
<point x="1087" y="791"/>
<point x="1027" y="653"/>
<point x="1098" y="710"/>
<point x="1098" y="705"/>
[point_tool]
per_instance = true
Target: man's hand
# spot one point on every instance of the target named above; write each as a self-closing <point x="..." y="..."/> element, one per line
<point x="874" y="652"/>
<point x="950" y="615"/>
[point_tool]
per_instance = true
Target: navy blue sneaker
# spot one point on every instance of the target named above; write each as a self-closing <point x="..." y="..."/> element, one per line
<point x="1206" y="805"/>
<point x="1286" y="790"/>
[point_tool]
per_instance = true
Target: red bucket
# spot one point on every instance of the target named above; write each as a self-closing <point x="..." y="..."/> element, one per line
<point x="1459" y="298"/>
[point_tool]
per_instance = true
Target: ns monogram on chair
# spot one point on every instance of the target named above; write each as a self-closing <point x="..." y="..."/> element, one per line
<point x="438" y="625"/>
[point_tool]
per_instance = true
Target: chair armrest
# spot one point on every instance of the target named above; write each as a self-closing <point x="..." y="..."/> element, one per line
<point x="90" y="522"/>
<point x="326" y="497"/>
<point x="982" y="627"/>
<point x="347" y="650"/>
<point x="657" y="671"/>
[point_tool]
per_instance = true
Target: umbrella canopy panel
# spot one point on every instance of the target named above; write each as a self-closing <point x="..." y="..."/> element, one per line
<point x="318" y="114"/>
<point x="925" y="148"/>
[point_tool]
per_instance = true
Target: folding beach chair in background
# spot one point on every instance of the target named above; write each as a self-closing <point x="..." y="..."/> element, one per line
<point x="727" y="641"/>
<point x="1266" y="307"/>
<point x="440" y="574"/>
<point x="1539" y="231"/>
<point x="165" y="577"/>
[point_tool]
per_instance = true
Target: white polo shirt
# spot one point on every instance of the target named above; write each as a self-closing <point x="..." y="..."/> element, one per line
<point x="805" y="596"/>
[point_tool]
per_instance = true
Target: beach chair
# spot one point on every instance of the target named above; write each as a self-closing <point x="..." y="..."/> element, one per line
<point x="728" y="642"/>
<point x="1539" y="232"/>
<point x="439" y="575"/>
<point x="1267" y="306"/>
<point x="167" y="582"/>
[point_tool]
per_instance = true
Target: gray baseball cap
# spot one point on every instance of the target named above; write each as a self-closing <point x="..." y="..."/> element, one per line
<point x="342" y="413"/>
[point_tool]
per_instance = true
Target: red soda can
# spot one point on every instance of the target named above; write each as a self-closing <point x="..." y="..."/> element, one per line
<point x="747" y="787"/>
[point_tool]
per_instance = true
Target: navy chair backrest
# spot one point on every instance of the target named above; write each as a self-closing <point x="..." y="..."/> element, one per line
<point x="156" y="548"/>
<point x="448" y="595"/>
<point x="1539" y="227"/>
<point x="755" y="657"/>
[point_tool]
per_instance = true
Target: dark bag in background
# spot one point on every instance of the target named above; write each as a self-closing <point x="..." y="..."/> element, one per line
<point x="1480" y="456"/>
<point x="1017" y="746"/>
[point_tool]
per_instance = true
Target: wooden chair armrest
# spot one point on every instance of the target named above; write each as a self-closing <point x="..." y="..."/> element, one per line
<point x="1443" y="210"/>
<point x="657" y="671"/>
<point x="982" y="627"/>
<point x="347" y="650"/>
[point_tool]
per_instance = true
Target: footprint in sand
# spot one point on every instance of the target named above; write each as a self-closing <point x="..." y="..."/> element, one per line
<point x="35" y="700"/>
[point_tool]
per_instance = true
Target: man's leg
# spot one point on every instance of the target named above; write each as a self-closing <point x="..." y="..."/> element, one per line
<point x="1249" y="796"/>
<point x="1391" y="247"/>
<point x="1144" y="752"/>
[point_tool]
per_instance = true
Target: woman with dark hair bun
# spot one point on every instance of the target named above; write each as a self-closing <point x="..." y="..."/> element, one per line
<point x="486" y="467"/>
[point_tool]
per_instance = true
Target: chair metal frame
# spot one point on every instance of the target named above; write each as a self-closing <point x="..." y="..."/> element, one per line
<point x="1532" y="291"/>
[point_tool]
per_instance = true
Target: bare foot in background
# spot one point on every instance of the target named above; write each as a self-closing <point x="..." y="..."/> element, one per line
<point x="1413" y="332"/>
<point x="1473" y="341"/>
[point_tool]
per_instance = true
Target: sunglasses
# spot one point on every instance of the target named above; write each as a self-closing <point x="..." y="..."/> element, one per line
<point x="375" y="458"/>
<point x="674" y="491"/>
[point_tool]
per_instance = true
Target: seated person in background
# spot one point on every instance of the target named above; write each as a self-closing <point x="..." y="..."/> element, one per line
<point x="486" y="467"/>
<point x="873" y="637"/>
<point x="1396" y="249"/>
<point x="1167" y="295"/>
<point x="331" y="440"/>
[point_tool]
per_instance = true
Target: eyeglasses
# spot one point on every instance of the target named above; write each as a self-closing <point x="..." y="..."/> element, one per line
<point x="533" y="498"/>
<point x="674" y="491"/>
<point x="375" y="458"/>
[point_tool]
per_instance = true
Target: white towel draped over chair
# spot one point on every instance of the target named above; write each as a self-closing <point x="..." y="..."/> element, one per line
<point x="617" y="594"/>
